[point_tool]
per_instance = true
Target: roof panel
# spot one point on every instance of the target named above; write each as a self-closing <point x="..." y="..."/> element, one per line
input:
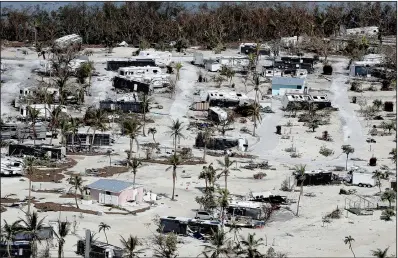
<point x="287" y="80"/>
<point x="110" y="185"/>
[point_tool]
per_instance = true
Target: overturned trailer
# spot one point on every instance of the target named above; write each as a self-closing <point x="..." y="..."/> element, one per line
<point x="185" y="226"/>
<point x="245" y="209"/>
<point x="129" y="84"/>
<point x="316" y="177"/>
<point x="128" y="103"/>
<point x="115" y="64"/>
<point x="99" y="250"/>
<point x="221" y="143"/>
<point x="39" y="151"/>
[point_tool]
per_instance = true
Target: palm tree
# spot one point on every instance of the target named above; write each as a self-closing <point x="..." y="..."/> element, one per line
<point x="347" y="149"/>
<point x="9" y="232"/>
<point x="380" y="253"/>
<point x="203" y="175"/>
<point x="178" y="67"/>
<point x="96" y="120"/>
<point x="33" y="114"/>
<point x="226" y="166"/>
<point x="145" y="102"/>
<point x="77" y="183"/>
<point x="348" y="240"/>
<point x="152" y="131"/>
<point x="32" y="225"/>
<point x="65" y="127"/>
<point x="390" y="196"/>
<point x="29" y="163"/>
<point x="134" y="163"/>
<point x="229" y="73"/>
<point x="393" y="152"/>
<point x="255" y="112"/>
<point x="223" y="202"/>
<point x="84" y="72"/>
<point x="104" y="227"/>
<point x="235" y="229"/>
<point x="63" y="231"/>
<point x="130" y="246"/>
<point x="251" y="246"/>
<point x="218" y="245"/>
<point x="206" y="137"/>
<point x="54" y="120"/>
<point x="300" y="170"/>
<point x="378" y="175"/>
<point x="175" y="132"/>
<point x="174" y="161"/>
<point x="131" y="127"/>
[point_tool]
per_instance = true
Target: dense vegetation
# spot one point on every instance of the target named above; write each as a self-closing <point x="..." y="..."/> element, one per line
<point x="166" y="21"/>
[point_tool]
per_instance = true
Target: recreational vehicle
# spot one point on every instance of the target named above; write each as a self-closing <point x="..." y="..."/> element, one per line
<point x="44" y="110"/>
<point x="11" y="166"/>
<point x="198" y="59"/>
<point x="226" y="99"/>
<point x="212" y="66"/>
<point x="217" y="115"/>
<point x="162" y="59"/>
<point x="23" y="131"/>
<point x="115" y="64"/>
<point x="147" y="70"/>
<point x="128" y="103"/>
<point x="100" y="249"/>
<point x="131" y="84"/>
<point x="185" y="226"/>
<point x="69" y="40"/>
<point x="31" y="91"/>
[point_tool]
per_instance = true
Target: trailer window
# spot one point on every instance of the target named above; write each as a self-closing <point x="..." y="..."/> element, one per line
<point x="299" y="87"/>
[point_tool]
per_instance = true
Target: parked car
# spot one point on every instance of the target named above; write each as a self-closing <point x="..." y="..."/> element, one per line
<point x="204" y="215"/>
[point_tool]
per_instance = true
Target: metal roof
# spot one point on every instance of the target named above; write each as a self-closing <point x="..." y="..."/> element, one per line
<point x="287" y="81"/>
<point x="110" y="185"/>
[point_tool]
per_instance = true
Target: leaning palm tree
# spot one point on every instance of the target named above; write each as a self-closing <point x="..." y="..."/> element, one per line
<point x="33" y="115"/>
<point x="32" y="225"/>
<point x="225" y="168"/>
<point x="255" y="112"/>
<point x="63" y="231"/>
<point x="77" y="183"/>
<point x="130" y="246"/>
<point x="145" y="102"/>
<point x="300" y="170"/>
<point x="178" y="67"/>
<point x="218" y="245"/>
<point x="131" y="127"/>
<point x="380" y="253"/>
<point x="29" y="163"/>
<point x="9" y="232"/>
<point x="104" y="227"/>
<point x="152" y="131"/>
<point x="174" y="162"/>
<point x="134" y="163"/>
<point x="204" y="175"/>
<point x="348" y="241"/>
<point x="176" y="132"/>
<point x="250" y="246"/>
<point x="378" y="175"/>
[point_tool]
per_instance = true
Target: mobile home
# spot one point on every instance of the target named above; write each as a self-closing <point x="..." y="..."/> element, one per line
<point x="217" y="115"/>
<point x="212" y="66"/>
<point x="132" y="85"/>
<point x="280" y="84"/>
<point x="69" y="40"/>
<point x="185" y="226"/>
<point x="127" y="103"/>
<point x="162" y="59"/>
<point x="44" y="110"/>
<point x="115" y="64"/>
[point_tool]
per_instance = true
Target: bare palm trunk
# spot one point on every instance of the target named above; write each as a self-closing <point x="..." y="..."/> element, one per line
<point x="226" y="179"/>
<point x="254" y="125"/>
<point x="346" y="163"/>
<point x="77" y="205"/>
<point x="60" y="249"/>
<point x="174" y="183"/>
<point x="134" y="173"/>
<point x="153" y="137"/>
<point x="106" y="237"/>
<point x="298" y="201"/>
<point x="144" y="122"/>
<point x="34" y="133"/>
<point x="8" y="248"/>
<point x="30" y="193"/>
<point x="131" y="148"/>
<point x="73" y="141"/>
<point x="175" y="145"/>
<point x="204" y="153"/>
<point x="352" y="251"/>
<point x="92" y="141"/>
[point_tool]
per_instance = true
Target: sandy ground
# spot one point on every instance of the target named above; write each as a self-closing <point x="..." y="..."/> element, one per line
<point x="301" y="236"/>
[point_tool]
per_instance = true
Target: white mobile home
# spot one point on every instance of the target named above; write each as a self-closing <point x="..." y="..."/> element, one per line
<point x="161" y="58"/>
<point x="30" y="91"/>
<point x="44" y="110"/>
<point x="216" y="114"/>
<point x="363" y="31"/>
<point x="198" y="59"/>
<point x="212" y="66"/>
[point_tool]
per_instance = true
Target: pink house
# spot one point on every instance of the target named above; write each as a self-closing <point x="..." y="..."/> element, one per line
<point x="115" y="192"/>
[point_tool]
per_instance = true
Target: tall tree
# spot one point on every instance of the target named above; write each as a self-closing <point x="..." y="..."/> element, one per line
<point x="300" y="170"/>
<point x="176" y="132"/>
<point x="104" y="227"/>
<point x="225" y="168"/>
<point x="390" y="196"/>
<point x="96" y="119"/>
<point x="347" y="150"/>
<point x="77" y="183"/>
<point x="174" y="162"/>
<point x="32" y="225"/>
<point x="9" y="232"/>
<point x="63" y="231"/>
<point x="152" y="131"/>
<point x="131" y="127"/>
<point x="33" y="115"/>
<point x="29" y="163"/>
<point x="218" y="245"/>
<point x="130" y="246"/>
<point x="134" y="163"/>
<point x="348" y="241"/>
<point x="145" y="101"/>
<point x="250" y="246"/>
<point x="380" y="253"/>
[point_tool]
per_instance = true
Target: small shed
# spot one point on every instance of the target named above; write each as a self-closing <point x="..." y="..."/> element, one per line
<point x="279" y="84"/>
<point x="115" y="192"/>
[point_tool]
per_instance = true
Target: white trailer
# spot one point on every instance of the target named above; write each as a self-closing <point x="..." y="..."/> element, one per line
<point x="213" y="66"/>
<point x="198" y="59"/>
<point x="363" y="179"/>
<point x="44" y="110"/>
<point x="68" y="40"/>
<point x="162" y="59"/>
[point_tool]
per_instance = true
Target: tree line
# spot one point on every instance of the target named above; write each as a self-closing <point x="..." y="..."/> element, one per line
<point x="170" y="21"/>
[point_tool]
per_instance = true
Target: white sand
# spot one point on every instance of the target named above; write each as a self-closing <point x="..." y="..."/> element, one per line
<point x="308" y="236"/>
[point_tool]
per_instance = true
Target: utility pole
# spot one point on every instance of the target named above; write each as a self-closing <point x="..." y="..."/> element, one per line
<point x="87" y="244"/>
